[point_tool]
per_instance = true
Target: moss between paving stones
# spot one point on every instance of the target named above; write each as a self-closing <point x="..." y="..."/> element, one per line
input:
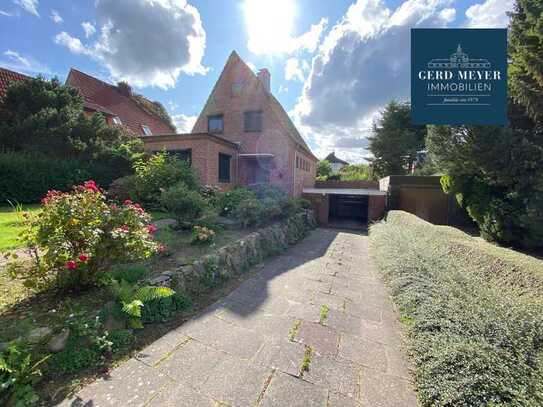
<point x="236" y="258"/>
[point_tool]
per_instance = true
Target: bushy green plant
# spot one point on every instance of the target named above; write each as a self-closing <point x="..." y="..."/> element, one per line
<point x="249" y="212"/>
<point x="123" y="188"/>
<point x="324" y="169"/>
<point x="133" y="298"/>
<point x="230" y="200"/>
<point x="18" y="374"/>
<point x="356" y="172"/>
<point x="163" y="308"/>
<point x="269" y="192"/>
<point x="122" y="341"/>
<point x="211" y="194"/>
<point x="185" y="204"/>
<point x="159" y="172"/>
<point x="130" y="273"/>
<point x="473" y="313"/>
<point x="202" y="235"/>
<point x="78" y="236"/>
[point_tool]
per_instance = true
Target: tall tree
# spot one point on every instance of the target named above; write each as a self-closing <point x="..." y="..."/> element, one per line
<point x="526" y="56"/>
<point x="395" y="141"/>
<point x="496" y="174"/>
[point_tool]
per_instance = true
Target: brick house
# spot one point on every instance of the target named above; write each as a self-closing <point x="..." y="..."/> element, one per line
<point x="117" y="104"/>
<point x="243" y="136"/>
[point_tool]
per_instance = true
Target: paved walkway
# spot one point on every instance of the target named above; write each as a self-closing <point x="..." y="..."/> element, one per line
<point x="249" y="348"/>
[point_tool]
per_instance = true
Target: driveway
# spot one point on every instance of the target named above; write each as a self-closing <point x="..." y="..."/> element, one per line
<point x="314" y="327"/>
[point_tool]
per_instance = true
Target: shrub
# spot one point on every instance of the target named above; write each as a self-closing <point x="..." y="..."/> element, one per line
<point x="122" y="341"/>
<point x="18" y="374"/>
<point x="123" y="188"/>
<point x="160" y="172"/>
<point x="185" y="204"/>
<point x="249" y="212"/>
<point x="78" y="236"/>
<point x="211" y="194"/>
<point x="164" y="308"/>
<point x="25" y="177"/>
<point x="208" y="219"/>
<point x="202" y="235"/>
<point x="472" y="310"/>
<point x="268" y="191"/>
<point x="230" y="200"/>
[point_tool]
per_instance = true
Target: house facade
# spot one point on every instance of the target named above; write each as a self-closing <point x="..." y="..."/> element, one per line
<point x="335" y="162"/>
<point x="243" y="136"/>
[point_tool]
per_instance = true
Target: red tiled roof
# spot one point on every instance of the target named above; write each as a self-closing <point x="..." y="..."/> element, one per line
<point x="101" y="96"/>
<point x="7" y="77"/>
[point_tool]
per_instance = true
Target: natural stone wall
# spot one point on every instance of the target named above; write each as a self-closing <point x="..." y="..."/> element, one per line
<point x="238" y="257"/>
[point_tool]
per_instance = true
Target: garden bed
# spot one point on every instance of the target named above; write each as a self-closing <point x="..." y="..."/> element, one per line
<point x="24" y="310"/>
<point x="473" y="312"/>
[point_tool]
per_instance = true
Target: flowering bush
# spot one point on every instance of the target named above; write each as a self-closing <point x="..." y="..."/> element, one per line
<point x="185" y="204"/>
<point x="201" y="234"/>
<point x="78" y="236"/>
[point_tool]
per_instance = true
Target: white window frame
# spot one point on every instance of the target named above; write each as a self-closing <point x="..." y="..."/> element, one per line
<point x="117" y="120"/>
<point x="146" y="130"/>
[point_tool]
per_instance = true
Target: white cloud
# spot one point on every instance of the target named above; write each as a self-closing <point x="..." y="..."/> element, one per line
<point x="30" y="6"/>
<point x="270" y="27"/>
<point x="5" y="13"/>
<point x="56" y="17"/>
<point x="89" y="28"/>
<point x="184" y="123"/>
<point x="362" y="63"/>
<point x="72" y="43"/>
<point x="282" y="89"/>
<point x="146" y="42"/>
<point x="17" y="62"/>
<point x="296" y="69"/>
<point x="251" y="66"/>
<point x="490" y="14"/>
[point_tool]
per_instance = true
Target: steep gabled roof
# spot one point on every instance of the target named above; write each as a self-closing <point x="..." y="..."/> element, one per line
<point x="274" y="104"/>
<point x="7" y="77"/>
<point x="333" y="159"/>
<point x="103" y="97"/>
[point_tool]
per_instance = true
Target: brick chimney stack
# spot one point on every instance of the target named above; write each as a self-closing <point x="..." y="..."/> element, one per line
<point x="125" y="89"/>
<point x="265" y="78"/>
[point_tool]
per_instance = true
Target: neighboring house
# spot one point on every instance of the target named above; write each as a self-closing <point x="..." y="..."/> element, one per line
<point x="335" y="162"/>
<point x="116" y="103"/>
<point x="7" y="77"/>
<point x="243" y="136"/>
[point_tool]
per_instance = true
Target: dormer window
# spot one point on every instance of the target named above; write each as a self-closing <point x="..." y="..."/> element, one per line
<point x="215" y="124"/>
<point x="117" y="120"/>
<point x="146" y="130"/>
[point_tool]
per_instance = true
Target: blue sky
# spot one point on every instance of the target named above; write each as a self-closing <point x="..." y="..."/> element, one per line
<point x="334" y="64"/>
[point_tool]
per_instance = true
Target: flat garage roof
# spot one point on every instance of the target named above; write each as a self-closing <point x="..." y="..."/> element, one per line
<point x="343" y="191"/>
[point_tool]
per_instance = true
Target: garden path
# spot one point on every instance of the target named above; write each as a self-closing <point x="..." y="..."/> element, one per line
<point x="319" y="305"/>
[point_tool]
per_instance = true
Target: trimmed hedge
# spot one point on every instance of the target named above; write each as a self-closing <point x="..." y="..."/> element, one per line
<point x="26" y="177"/>
<point x="473" y="313"/>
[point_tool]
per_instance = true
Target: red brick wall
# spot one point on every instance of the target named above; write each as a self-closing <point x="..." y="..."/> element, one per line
<point x="376" y="207"/>
<point x="347" y="184"/>
<point x="273" y="139"/>
<point x="205" y="156"/>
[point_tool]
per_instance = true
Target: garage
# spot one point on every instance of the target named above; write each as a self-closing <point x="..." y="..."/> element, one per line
<point x="349" y="208"/>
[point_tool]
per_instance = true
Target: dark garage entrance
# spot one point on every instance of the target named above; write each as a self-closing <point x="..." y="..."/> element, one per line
<point x="348" y="211"/>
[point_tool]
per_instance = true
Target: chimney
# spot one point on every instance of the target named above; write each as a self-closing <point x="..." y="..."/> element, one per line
<point x="264" y="77"/>
<point x="125" y="89"/>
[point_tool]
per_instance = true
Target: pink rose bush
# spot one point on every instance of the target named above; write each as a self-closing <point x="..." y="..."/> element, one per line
<point x="78" y="235"/>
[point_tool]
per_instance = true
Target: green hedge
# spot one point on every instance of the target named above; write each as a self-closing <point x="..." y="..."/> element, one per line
<point x="26" y="178"/>
<point x="473" y="313"/>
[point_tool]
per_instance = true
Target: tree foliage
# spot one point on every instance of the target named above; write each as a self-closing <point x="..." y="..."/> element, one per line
<point x="324" y="169"/>
<point x="395" y="141"/>
<point x="526" y="56"/>
<point x="495" y="173"/>
<point x="356" y="172"/>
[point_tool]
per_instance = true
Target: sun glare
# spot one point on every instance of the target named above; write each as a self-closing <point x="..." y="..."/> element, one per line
<point x="269" y="25"/>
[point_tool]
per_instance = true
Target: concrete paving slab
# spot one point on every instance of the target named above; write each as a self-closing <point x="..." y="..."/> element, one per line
<point x="285" y="390"/>
<point x="323" y="339"/>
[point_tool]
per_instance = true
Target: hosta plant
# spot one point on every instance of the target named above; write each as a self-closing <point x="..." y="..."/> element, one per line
<point x="79" y="235"/>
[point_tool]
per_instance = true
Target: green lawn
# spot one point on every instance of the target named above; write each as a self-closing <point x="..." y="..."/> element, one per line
<point x="10" y="226"/>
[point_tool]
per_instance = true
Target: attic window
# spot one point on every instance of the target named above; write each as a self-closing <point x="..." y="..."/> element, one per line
<point x="117" y="120"/>
<point x="253" y="121"/>
<point x="215" y="124"/>
<point x="146" y="130"/>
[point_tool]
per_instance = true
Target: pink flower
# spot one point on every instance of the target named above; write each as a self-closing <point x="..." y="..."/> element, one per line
<point x="114" y="207"/>
<point x="83" y="258"/>
<point x="127" y="202"/>
<point x="125" y="228"/>
<point x="151" y="229"/>
<point x="71" y="265"/>
<point x="90" y="185"/>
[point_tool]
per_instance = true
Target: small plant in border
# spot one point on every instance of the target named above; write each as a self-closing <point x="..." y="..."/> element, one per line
<point x="78" y="236"/>
<point x="202" y="235"/>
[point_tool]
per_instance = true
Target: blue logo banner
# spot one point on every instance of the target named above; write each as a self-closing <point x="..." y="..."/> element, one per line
<point x="459" y="76"/>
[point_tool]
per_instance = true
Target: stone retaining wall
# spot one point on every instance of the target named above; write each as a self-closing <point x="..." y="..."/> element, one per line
<point x="238" y="257"/>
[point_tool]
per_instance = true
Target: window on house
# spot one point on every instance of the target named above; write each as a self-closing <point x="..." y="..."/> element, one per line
<point x="215" y="124"/>
<point x="224" y="167"/>
<point x="117" y="120"/>
<point x="252" y="121"/>
<point x="146" y="130"/>
<point x="297" y="162"/>
<point x="182" y="154"/>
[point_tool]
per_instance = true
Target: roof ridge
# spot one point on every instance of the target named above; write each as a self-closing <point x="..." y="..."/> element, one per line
<point x="16" y="73"/>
